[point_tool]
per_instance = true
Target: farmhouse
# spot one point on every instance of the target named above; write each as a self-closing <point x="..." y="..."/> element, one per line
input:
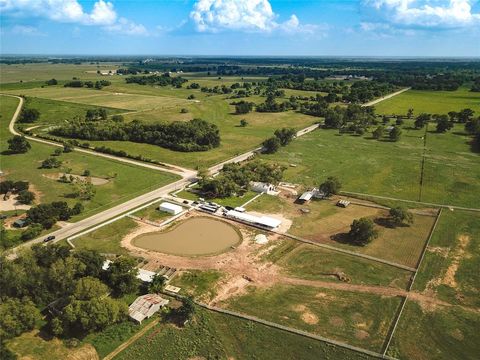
<point x="264" y="221"/>
<point x="262" y="187"/>
<point x="170" y="208"/>
<point x="145" y="306"/>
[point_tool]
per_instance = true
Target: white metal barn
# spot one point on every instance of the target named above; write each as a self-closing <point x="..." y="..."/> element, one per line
<point x="170" y="208"/>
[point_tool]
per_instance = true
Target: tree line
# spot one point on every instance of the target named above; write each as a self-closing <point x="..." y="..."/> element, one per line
<point x="194" y="135"/>
<point x="234" y="179"/>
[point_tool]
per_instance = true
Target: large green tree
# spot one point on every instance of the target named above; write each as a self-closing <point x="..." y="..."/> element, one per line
<point x="331" y="186"/>
<point x="18" y="144"/>
<point x="122" y="275"/>
<point x="362" y="231"/>
<point x="17" y="316"/>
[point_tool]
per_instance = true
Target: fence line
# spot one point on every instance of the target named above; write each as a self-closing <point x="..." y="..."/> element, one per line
<point x="409" y="288"/>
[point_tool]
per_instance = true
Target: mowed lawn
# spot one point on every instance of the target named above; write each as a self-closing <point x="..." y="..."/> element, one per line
<point x="358" y="319"/>
<point x="314" y="263"/>
<point x="107" y="239"/>
<point x="432" y="102"/>
<point x="124" y="181"/>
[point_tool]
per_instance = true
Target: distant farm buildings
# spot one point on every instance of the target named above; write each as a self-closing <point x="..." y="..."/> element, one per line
<point x="170" y="208"/>
<point x="145" y="306"/>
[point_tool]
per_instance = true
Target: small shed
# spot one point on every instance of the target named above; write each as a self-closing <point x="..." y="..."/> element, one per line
<point x="20" y="223"/>
<point x="305" y="197"/>
<point x="145" y="306"/>
<point x="170" y="208"/>
<point x="343" y="203"/>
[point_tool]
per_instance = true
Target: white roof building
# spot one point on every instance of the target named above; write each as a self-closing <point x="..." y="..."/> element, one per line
<point x="264" y="221"/>
<point x="170" y="208"/>
<point x="145" y="306"/>
<point x="262" y="187"/>
<point x="144" y="275"/>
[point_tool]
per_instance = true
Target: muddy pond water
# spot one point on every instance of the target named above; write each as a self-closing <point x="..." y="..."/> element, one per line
<point x="192" y="237"/>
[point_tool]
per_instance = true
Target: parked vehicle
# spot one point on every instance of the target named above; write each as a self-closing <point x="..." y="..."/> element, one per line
<point x="49" y="238"/>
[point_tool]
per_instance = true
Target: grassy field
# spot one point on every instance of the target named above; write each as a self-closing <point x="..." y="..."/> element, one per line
<point x="199" y="284"/>
<point x="53" y="112"/>
<point x="153" y="104"/>
<point x="358" y="319"/>
<point x="36" y="346"/>
<point x="314" y="263"/>
<point x="152" y="213"/>
<point x="232" y="201"/>
<point x="39" y="73"/>
<point x="451" y="264"/>
<point x="432" y="102"/>
<point x="446" y="334"/>
<point x="119" y="188"/>
<point x="451" y="175"/>
<point x="327" y="223"/>
<point x="216" y="336"/>
<point x="107" y="239"/>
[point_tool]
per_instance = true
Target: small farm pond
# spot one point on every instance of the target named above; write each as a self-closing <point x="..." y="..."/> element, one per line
<point x="192" y="237"/>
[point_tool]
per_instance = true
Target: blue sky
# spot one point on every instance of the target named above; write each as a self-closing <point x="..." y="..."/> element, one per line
<point x="242" y="27"/>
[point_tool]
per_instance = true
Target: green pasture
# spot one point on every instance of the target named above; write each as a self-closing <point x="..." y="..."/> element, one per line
<point x="216" y="336"/>
<point x="315" y="263"/>
<point x="443" y="334"/>
<point x="198" y="284"/>
<point x="432" y="102"/>
<point x="392" y="169"/>
<point x="41" y="72"/>
<point x="107" y="238"/>
<point x="357" y="319"/>
<point x="124" y="181"/>
<point x="453" y="254"/>
<point x="327" y="223"/>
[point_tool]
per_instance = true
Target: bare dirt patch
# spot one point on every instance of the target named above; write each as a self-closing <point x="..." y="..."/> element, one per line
<point x="95" y="180"/>
<point x="361" y="334"/>
<point x="309" y="318"/>
<point x="449" y="277"/>
<point x="11" y="204"/>
<point x="336" y="321"/>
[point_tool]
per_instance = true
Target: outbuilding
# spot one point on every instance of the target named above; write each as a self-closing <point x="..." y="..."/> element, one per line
<point x="20" y="223"/>
<point x="261" y="187"/>
<point x="170" y="208"/>
<point x="145" y="306"/>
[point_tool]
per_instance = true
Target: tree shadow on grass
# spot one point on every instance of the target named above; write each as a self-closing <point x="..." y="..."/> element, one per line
<point x="342" y="238"/>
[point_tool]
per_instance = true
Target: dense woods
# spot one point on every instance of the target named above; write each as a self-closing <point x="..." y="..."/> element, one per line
<point x="160" y="80"/>
<point x="194" y="135"/>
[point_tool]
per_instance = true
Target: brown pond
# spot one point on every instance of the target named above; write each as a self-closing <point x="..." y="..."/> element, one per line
<point x="195" y="236"/>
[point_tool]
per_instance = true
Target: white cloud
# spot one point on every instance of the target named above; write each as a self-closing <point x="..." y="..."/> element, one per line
<point x="242" y="15"/>
<point x="26" y="30"/>
<point x="127" y="27"/>
<point x="427" y="13"/>
<point x="71" y="11"/>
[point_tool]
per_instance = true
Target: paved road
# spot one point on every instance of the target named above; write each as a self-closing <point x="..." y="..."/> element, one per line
<point x="373" y="102"/>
